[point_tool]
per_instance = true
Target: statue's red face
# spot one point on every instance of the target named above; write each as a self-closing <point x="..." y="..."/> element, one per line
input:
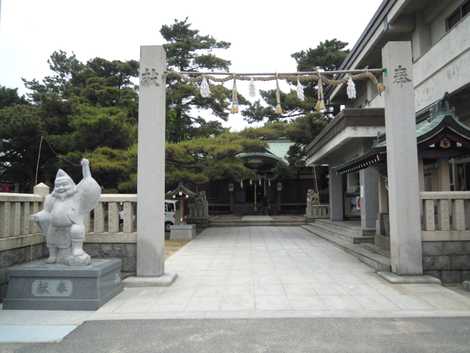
<point x="62" y="185"/>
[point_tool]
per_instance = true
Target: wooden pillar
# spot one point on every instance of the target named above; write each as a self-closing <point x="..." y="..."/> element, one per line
<point x="231" y="190"/>
<point x="444" y="174"/>
<point x="369" y="197"/>
<point x="336" y="196"/>
<point x="278" y="196"/>
<point x="383" y="206"/>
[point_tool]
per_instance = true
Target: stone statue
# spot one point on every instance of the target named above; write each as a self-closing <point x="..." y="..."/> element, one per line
<point x="199" y="206"/>
<point x="62" y="219"/>
<point x="313" y="197"/>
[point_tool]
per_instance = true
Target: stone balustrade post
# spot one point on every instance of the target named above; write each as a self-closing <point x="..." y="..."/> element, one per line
<point x="41" y="189"/>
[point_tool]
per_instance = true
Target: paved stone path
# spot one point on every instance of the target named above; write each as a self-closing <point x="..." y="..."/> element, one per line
<point x="262" y="272"/>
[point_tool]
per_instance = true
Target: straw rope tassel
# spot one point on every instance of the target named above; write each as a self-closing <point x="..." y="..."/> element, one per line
<point x="351" y="88"/>
<point x="320" y="106"/>
<point x="234" y="96"/>
<point x="278" y="109"/>
<point x="205" y="89"/>
<point x="300" y="91"/>
<point x="252" y="88"/>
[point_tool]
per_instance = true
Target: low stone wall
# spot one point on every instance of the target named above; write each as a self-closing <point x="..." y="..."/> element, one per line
<point x="126" y="252"/>
<point x="447" y="260"/>
<point x="18" y="256"/>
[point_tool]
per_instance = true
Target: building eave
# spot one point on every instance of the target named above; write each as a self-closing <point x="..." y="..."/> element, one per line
<point x="349" y="123"/>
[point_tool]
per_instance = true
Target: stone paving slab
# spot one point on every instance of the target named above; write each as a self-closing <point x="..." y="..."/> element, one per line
<point x="263" y="272"/>
<point x="34" y="333"/>
<point x="39" y="325"/>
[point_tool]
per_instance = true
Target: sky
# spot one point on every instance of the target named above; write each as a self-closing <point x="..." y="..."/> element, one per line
<point x="263" y="34"/>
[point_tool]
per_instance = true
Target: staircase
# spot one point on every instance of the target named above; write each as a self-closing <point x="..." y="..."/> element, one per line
<point x="255" y="220"/>
<point x="351" y="238"/>
<point x="350" y="231"/>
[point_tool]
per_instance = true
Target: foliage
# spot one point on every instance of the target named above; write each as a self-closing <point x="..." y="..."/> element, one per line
<point x="328" y="55"/>
<point x="301" y="131"/>
<point x="17" y="156"/>
<point x="271" y="130"/>
<point x="81" y="109"/>
<point x="203" y="159"/>
<point x="304" y="123"/>
<point x="91" y="109"/>
<point x="188" y="50"/>
<point x="10" y="97"/>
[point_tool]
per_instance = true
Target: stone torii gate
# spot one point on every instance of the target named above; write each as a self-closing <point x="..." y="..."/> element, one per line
<point x="405" y="225"/>
<point x="151" y="170"/>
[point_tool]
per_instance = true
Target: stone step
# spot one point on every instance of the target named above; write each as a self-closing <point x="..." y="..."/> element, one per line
<point x="331" y="232"/>
<point x="347" y="227"/>
<point x="351" y="235"/>
<point x="339" y="226"/>
<point x="377" y="250"/>
<point x="257" y="224"/>
<point x="370" y="258"/>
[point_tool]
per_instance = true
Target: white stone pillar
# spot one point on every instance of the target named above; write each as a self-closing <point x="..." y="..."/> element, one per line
<point x="336" y="196"/>
<point x="369" y="178"/>
<point x="151" y="163"/>
<point x="402" y="160"/>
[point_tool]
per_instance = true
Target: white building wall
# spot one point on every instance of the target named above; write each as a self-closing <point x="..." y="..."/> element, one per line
<point x="441" y="58"/>
<point x="438" y="19"/>
<point x="445" y="67"/>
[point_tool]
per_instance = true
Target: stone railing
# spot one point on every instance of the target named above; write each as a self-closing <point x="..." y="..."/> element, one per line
<point x="16" y="227"/>
<point x="112" y="221"/>
<point x="445" y="216"/>
<point x="111" y="230"/>
<point x="321" y="211"/>
<point x="317" y="212"/>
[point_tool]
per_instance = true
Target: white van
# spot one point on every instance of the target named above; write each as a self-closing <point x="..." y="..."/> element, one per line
<point x="170" y="214"/>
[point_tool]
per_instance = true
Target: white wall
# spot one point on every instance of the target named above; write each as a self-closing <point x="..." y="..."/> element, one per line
<point x="438" y="22"/>
<point x="445" y="67"/>
<point x="441" y="59"/>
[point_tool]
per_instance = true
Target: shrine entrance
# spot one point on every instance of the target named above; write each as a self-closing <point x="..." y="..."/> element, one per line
<point x="405" y="227"/>
<point x="261" y="194"/>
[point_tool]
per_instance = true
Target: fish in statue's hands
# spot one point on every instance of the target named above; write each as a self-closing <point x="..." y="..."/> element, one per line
<point x="62" y="220"/>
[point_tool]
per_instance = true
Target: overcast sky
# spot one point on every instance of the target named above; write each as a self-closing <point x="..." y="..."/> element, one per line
<point x="263" y="33"/>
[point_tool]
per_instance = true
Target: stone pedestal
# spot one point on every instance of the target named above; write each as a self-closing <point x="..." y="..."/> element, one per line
<point x="40" y="286"/>
<point x="182" y="232"/>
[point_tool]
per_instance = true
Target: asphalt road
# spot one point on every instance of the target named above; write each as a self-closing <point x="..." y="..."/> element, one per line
<point x="439" y="335"/>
